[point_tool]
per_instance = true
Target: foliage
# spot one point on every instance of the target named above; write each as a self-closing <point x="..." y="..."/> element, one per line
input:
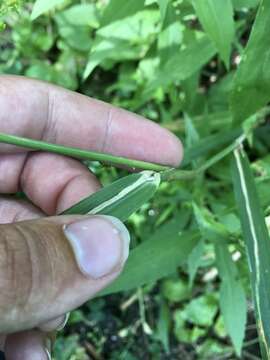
<point x="200" y="69"/>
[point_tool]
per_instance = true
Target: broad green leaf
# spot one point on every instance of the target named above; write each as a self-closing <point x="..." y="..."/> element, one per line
<point x="175" y="290"/>
<point x="245" y="4"/>
<point x="81" y="15"/>
<point x="182" y="65"/>
<point x="209" y="227"/>
<point x="76" y="37"/>
<point x="251" y="87"/>
<point x="121" y="198"/>
<point x="232" y="297"/>
<point x="187" y="61"/>
<point x="171" y="34"/>
<point x="120" y="9"/>
<point x="182" y="329"/>
<point x="163" y="326"/>
<point x="155" y="258"/>
<point x="257" y="243"/>
<point x="42" y="6"/>
<point x="212" y="142"/>
<point x="136" y="28"/>
<point x="216" y="18"/>
<point x="194" y="261"/>
<point x="163" y="5"/>
<point x="201" y="310"/>
<point x="123" y="39"/>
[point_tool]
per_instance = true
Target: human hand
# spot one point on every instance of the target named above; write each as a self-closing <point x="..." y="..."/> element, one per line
<point x="51" y="265"/>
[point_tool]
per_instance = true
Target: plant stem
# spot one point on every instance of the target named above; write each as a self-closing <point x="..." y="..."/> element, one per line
<point x="175" y="174"/>
<point x="79" y="153"/>
<point x="168" y="174"/>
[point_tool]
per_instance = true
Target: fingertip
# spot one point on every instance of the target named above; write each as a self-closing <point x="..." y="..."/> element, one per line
<point x="175" y="150"/>
<point x="27" y="345"/>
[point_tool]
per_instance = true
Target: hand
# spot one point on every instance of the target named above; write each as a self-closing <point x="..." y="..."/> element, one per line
<point x="51" y="265"/>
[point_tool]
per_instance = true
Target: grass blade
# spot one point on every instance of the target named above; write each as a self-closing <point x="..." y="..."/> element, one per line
<point x="121" y="198"/>
<point x="155" y="258"/>
<point x="232" y="296"/>
<point x="257" y="244"/>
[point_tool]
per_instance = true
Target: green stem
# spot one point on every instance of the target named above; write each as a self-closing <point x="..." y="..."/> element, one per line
<point x="79" y="153"/>
<point x="175" y="174"/>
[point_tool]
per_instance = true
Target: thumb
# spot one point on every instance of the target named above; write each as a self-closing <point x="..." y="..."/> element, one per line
<point x="52" y="265"/>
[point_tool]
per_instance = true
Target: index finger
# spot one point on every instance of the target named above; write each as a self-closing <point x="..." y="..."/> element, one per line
<point x="42" y="111"/>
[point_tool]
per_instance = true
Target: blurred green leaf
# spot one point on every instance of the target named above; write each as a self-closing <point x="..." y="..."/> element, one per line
<point x="175" y="290"/>
<point x="194" y="261"/>
<point x="155" y="258"/>
<point x="181" y="65"/>
<point x="183" y="332"/>
<point x="163" y="5"/>
<point x="42" y="6"/>
<point x="245" y="4"/>
<point x="82" y="15"/>
<point x="251" y="87"/>
<point x="124" y="39"/>
<point x="256" y="239"/>
<point x="232" y="297"/>
<point x="163" y="326"/>
<point x="216" y="18"/>
<point x="201" y="310"/>
<point x="120" y="9"/>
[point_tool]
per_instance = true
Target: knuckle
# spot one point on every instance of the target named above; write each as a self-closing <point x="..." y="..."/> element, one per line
<point x="24" y="259"/>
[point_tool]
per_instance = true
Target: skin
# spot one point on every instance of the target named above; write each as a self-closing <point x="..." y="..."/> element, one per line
<point x="53" y="183"/>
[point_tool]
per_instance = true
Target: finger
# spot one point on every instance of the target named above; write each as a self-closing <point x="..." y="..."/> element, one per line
<point x="64" y="117"/>
<point x="11" y="167"/>
<point x="12" y="210"/>
<point x="27" y="345"/>
<point x="47" y="269"/>
<point x="54" y="183"/>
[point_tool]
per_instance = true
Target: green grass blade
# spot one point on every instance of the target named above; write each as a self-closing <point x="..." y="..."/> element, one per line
<point x="155" y="258"/>
<point x="232" y="296"/>
<point x="78" y="153"/>
<point x="216" y="18"/>
<point x="251" y="86"/>
<point x="121" y="198"/>
<point x="210" y="143"/>
<point x="257" y="244"/>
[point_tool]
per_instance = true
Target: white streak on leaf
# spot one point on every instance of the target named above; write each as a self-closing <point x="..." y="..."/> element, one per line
<point x="146" y="177"/>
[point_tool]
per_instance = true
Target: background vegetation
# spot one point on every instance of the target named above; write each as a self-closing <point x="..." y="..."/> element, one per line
<point x="193" y="67"/>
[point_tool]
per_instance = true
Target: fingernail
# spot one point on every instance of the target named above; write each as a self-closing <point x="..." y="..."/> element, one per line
<point x="100" y="244"/>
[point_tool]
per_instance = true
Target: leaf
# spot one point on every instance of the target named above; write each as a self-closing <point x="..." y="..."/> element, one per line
<point x="212" y="142"/>
<point x="232" y="297"/>
<point x="201" y="310"/>
<point x="81" y="15"/>
<point x="175" y="290"/>
<point x="194" y="261"/>
<point x="216" y="18"/>
<point x="123" y="39"/>
<point x="120" y="9"/>
<point x="121" y="198"/>
<point x="42" y="6"/>
<point x="163" y="326"/>
<point x="163" y="5"/>
<point x="251" y="87"/>
<point x="182" y="65"/>
<point x="257" y="243"/>
<point x="245" y="4"/>
<point x="155" y="258"/>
